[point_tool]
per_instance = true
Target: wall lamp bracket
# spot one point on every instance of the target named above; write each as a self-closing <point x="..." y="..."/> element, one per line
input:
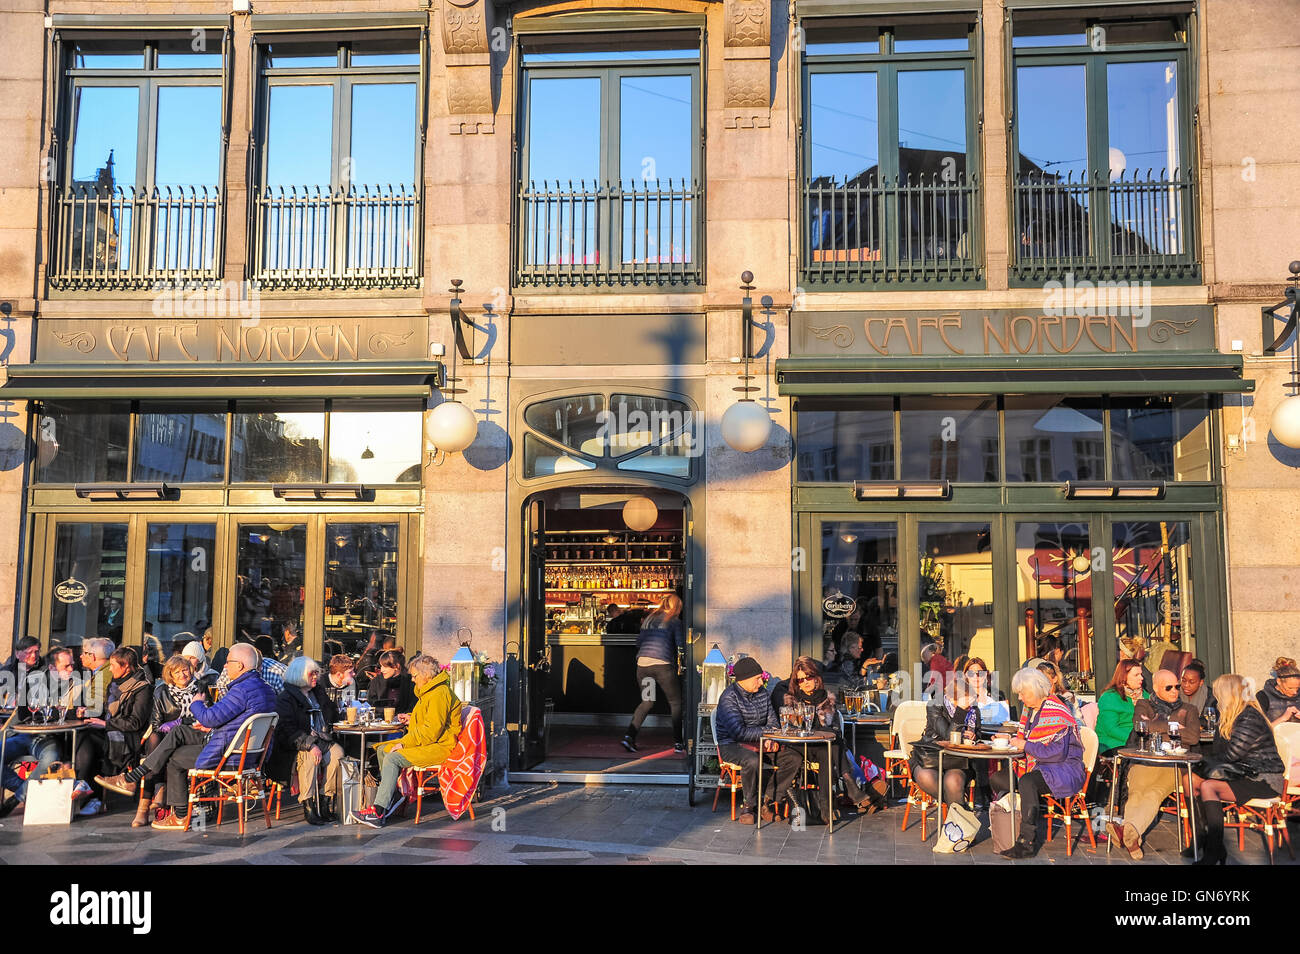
<point x="141" y="491"/>
<point x="458" y="321"/>
<point x="902" y="489"/>
<point x="319" y="491"/>
<point x="1114" y="489"/>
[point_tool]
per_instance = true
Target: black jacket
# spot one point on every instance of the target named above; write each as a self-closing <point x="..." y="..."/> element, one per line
<point x="293" y="733"/>
<point x="1252" y="749"/>
<point x="1273" y="702"/>
<point x="398" y="692"/>
<point x="938" y="726"/>
<point x="131" y="705"/>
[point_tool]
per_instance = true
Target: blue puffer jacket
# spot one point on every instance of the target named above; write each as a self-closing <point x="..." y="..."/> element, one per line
<point x="660" y="642"/>
<point x="743" y="716"/>
<point x="248" y="695"/>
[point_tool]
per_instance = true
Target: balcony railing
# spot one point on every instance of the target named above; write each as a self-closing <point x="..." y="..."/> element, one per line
<point x="881" y="231"/>
<point x="123" y="237"/>
<point x="1140" y="227"/>
<point x="623" y="234"/>
<point x="359" y="237"/>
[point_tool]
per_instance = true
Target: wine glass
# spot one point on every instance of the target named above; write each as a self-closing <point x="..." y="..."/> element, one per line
<point x="32" y="711"/>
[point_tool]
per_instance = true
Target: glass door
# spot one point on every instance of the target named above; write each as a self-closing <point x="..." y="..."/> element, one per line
<point x="271" y="574"/>
<point x="362" y="582"/>
<point x="86" y="584"/>
<point x="956" y="599"/>
<point x="180" y="561"/>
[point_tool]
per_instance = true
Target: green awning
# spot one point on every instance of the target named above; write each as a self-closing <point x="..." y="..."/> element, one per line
<point x="371" y="379"/>
<point x="1167" y="373"/>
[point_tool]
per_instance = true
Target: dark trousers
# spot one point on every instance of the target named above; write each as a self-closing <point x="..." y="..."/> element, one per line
<point x="183" y="758"/>
<point x="788" y="762"/>
<point x="665" y="678"/>
<point x="1030" y="787"/>
<point x="842" y="765"/>
<point x="92" y="755"/>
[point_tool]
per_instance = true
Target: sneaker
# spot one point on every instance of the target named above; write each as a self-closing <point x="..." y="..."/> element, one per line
<point x="370" y="816"/>
<point x="679" y="748"/>
<point x="8" y="805"/>
<point x="628" y="743"/>
<point x="81" y="790"/>
<point x="117" y="783"/>
<point x="169" y="822"/>
<point x="91" y="808"/>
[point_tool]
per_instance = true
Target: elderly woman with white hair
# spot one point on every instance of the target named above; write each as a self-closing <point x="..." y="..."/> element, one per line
<point x="304" y="739"/>
<point x="1053" y="755"/>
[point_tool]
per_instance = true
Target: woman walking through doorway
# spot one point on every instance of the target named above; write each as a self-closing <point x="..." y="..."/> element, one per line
<point x="657" y="647"/>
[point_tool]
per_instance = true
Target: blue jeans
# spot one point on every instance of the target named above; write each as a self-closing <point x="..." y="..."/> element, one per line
<point x="44" y="748"/>
<point x="391" y="765"/>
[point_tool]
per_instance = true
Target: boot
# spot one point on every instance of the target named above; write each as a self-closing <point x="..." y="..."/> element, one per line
<point x="1215" y="852"/>
<point x="159" y="802"/>
<point x="142" y="814"/>
<point x="629" y="738"/>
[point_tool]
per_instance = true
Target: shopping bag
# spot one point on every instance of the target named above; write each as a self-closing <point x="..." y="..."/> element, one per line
<point x="1004" y="822"/>
<point x="49" y="801"/>
<point x="958" y="831"/>
<point x="352" y="789"/>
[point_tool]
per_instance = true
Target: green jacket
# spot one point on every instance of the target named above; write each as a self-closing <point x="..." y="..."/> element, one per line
<point x="1114" y="719"/>
<point x="435" y="724"/>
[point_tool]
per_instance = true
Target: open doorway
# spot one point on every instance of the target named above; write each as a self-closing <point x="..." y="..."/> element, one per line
<point x="600" y="561"/>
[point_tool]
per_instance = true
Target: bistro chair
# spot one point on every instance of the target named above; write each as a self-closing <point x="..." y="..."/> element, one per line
<point x="238" y="776"/>
<point x="1268" y="815"/>
<point x="1291" y="794"/>
<point x="905" y="718"/>
<point x="1076" y="806"/>
<point x="728" y="772"/>
<point x="427" y="780"/>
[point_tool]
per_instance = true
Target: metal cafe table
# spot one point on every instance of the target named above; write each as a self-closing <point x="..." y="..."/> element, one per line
<point x="871" y="720"/>
<point x="794" y="738"/>
<point x="1179" y="763"/>
<point x="363" y="731"/>
<point x="986" y="752"/>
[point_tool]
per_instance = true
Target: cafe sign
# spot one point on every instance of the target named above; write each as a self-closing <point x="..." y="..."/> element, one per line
<point x="231" y="340"/>
<point x="1003" y="331"/>
<point x="70" y="591"/>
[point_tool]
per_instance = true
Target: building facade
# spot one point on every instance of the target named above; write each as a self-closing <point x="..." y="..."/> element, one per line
<point x="1007" y="258"/>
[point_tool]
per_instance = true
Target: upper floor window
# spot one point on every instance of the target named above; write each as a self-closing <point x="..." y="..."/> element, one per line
<point x="338" y="198"/>
<point x="890" y="190"/>
<point x="139" y="196"/>
<point x="1104" y="182"/>
<point x="609" y="179"/>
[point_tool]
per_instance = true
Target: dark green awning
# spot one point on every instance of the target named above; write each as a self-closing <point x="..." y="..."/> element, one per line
<point x="1168" y="373"/>
<point x="372" y="379"/>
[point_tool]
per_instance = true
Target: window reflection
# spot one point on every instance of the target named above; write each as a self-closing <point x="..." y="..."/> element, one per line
<point x="575" y="422"/>
<point x="950" y="439"/>
<point x="542" y="459"/>
<point x="1054" y="574"/>
<point x="846" y="441"/>
<point x="89" y="583"/>
<point x="361" y="574"/>
<point x="271" y="564"/>
<point x="1052" y="440"/>
<point x="956" y="599"/>
<point x="859" y="597"/>
<point x="82" y="442"/>
<point x="178" y="574"/>
<point x="376" y="446"/>
<point x="180" y="446"/>
<point x="1160" y="438"/>
<point x="1153" y="601"/>
<point x="277" y="445"/>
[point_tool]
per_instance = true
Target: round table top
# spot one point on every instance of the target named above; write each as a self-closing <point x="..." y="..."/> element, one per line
<point x="868" y="718"/>
<point x="1136" y="756"/>
<point x="980" y="750"/>
<point x="817" y="735"/>
<point x="364" y="727"/>
<point x="30" y="728"/>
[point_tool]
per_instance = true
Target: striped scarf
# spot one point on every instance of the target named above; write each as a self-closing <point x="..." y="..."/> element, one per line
<point x="1048" y="723"/>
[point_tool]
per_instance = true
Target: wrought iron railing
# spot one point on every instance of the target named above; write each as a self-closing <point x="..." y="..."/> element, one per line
<point x="891" y="231"/>
<point x="622" y="234"/>
<point x="358" y="237"/>
<point x="1140" y="227"/>
<point x="123" y="237"/>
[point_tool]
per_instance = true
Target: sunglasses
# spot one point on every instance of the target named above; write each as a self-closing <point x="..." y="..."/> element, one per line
<point x="807" y="677"/>
<point x="1172" y="685"/>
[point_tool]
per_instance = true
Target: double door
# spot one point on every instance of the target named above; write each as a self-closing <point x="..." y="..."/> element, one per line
<point x="1084" y="590"/>
<point x="338" y="578"/>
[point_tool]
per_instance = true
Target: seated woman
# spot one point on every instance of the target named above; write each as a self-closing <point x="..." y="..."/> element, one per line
<point x="1115" y="706"/>
<point x="956" y="708"/>
<point x="1053" y="755"/>
<point x="1244" y="760"/>
<point x="1053" y="674"/>
<point x="1280" y="697"/>
<point x="203" y="672"/>
<point x="392" y="686"/>
<point x="129" y="703"/>
<point x="430" y="736"/>
<point x="807" y="687"/>
<point x="339" y="684"/>
<point x="171" y="708"/>
<point x="304" y="740"/>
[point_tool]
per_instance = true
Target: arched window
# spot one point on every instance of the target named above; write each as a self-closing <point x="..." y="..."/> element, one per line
<point x="634" y="433"/>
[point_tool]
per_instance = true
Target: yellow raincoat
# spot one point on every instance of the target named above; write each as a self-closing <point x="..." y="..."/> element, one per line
<point x="434" y="727"/>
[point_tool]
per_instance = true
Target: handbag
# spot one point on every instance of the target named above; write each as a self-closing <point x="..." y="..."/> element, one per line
<point x="958" y="832"/>
<point x="1003" y="822"/>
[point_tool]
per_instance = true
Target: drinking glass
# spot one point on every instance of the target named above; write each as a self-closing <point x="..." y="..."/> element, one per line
<point x="63" y="714"/>
<point x="1175" y="733"/>
<point x="32" y="711"/>
<point x="785" y="718"/>
<point x="46" y="713"/>
<point x="808" y="712"/>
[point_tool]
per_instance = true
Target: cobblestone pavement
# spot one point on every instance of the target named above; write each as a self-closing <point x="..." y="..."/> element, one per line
<point x="548" y="825"/>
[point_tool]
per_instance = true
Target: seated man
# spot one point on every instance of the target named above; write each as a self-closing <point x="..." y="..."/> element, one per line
<point x="97" y="675"/>
<point x="1150" y="785"/>
<point x="744" y="713"/>
<point x="430" y="736"/>
<point x="57" y="686"/>
<point x="248" y="695"/>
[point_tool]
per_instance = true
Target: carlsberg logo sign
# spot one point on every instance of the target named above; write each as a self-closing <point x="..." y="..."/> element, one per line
<point x="77" y="907"/>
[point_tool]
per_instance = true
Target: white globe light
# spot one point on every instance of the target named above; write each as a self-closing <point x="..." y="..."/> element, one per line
<point x="640" y="513"/>
<point x="452" y="427"/>
<point x="745" y="426"/>
<point x="1285" y="423"/>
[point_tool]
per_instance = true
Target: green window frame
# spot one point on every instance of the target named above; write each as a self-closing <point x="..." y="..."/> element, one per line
<point x="892" y="230"/>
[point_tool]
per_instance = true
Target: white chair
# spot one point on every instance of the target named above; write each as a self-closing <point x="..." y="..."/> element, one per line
<point x="241" y="782"/>
<point x="906" y="717"/>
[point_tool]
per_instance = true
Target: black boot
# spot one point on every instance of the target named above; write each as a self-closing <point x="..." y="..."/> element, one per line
<point x="629" y="740"/>
<point x="1215" y="852"/>
<point x="9" y="804"/>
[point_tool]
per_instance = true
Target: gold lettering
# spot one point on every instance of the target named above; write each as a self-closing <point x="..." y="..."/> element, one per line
<point x="293" y="340"/>
<point x="921" y="324"/>
<point x="1131" y="337"/>
<point x="1045" y="325"/>
<point x="120" y="353"/>
<point x="330" y="331"/>
<point x="245" y="337"/>
<point x="191" y="328"/>
<point x="351" y="346"/>
<point x="1001" y="339"/>
<point x="227" y="344"/>
<point x="1033" y="333"/>
<point x="1104" y="320"/>
<point x="1065" y="321"/>
<point x="950" y="320"/>
<point x="866" y="331"/>
<point x="894" y="324"/>
<point x="276" y="346"/>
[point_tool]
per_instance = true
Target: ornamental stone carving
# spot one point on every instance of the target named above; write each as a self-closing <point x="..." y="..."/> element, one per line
<point x="748" y="23"/>
<point x="466" y="33"/>
<point x="746" y="64"/>
<point x="464" y="26"/>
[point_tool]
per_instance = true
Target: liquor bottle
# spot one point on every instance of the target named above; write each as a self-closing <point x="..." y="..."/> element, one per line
<point x="972" y="714"/>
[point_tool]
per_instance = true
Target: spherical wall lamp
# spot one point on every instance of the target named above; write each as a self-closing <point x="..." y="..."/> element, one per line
<point x="1285" y="422"/>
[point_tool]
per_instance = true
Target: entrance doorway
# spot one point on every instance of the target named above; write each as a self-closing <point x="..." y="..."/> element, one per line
<point x="601" y="560"/>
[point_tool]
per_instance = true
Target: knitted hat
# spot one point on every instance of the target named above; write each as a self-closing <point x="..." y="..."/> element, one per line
<point x="746" y="668"/>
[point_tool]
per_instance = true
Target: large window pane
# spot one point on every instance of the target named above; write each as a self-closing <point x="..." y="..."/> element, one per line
<point x="1161" y="438"/>
<point x="579" y="422"/>
<point x="1054" y="573"/>
<point x="546" y="460"/>
<point x="844" y="126"/>
<point x="1142" y="113"/>
<point x="361" y="574"/>
<point x="564" y="129"/>
<point x="376" y="447"/>
<point x="89" y="582"/>
<point x="180" y="446"/>
<point x="655" y="137"/>
<point x="277" y="445"/>
<point x="271" y="568"/>
<point x="956" y="599"/>
<point x="845" y="442"/>
<point x="931" y="123"/>
<point x="188" y="139"/>
<point x="1154" y="607"/>
<point x="1052" y="120"/>
<point x="859" y="595"/>
<point x="950" y="439"/>
<point x="104" y="143"/>
<point x="299" y="146"/>
<point x="383" y="136"/>
<point x="1052" y="440"/>
<point x="178" y="579"/>
<point x="82" y="442"/>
